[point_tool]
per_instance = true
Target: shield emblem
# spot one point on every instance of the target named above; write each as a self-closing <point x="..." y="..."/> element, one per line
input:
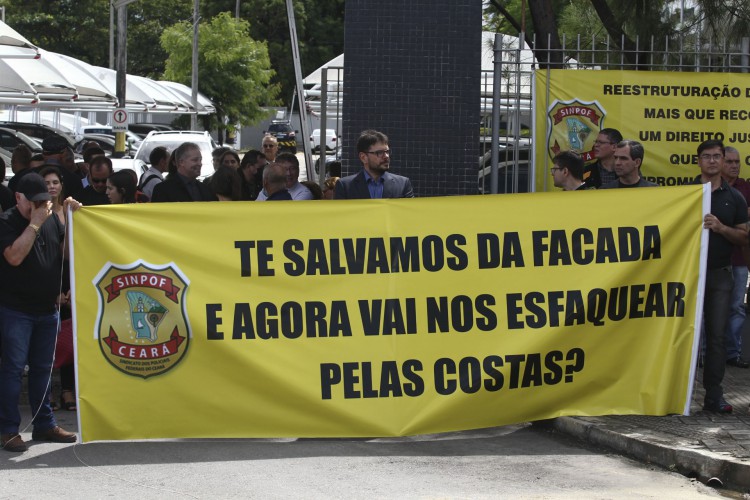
<point x="573" y="126"/>
<point x="142" y="324"/>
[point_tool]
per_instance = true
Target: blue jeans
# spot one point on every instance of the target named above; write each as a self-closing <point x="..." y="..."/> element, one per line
<point x="26" y="339"/>
<point x="719" y="285"/>
<point x="736" y="312"/>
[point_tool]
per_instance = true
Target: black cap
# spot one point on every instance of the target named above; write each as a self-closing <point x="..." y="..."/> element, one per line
<point x="54" y="144"/>
<point x="33" y="187"/>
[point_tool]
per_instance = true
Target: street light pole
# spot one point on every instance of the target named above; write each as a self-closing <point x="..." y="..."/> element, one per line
<point x="122" y="63"/>
<point x="194" y="89"/>
<point x="304" y="124"/>
<point x="111" y="35"/>
<point x="122" y="67"/>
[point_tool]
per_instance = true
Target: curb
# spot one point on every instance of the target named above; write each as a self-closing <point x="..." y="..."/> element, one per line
<point x="659" y="449"/>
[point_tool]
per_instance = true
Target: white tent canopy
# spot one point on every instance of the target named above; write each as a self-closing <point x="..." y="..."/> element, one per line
<point x="80" y="74"/>
<point x="314" y="77"/>
<point x="46" y="80"/>
<point x="163" y="97"/>
<point x="38" y="77"/>
<point x="14" y="46"/>
<point x="205" y="106"/>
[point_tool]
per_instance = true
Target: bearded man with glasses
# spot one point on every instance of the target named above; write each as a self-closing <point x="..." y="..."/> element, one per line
<point x="375" y="180"/>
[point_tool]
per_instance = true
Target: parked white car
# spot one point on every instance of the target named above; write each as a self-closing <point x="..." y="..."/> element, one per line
<point x="332" y="141"/>
<point x="129" y="164"/>
<point x="172" y="139"/>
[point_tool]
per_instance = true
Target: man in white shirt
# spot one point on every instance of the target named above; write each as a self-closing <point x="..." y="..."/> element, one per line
<point x="159" y="159"/>
<point x="299" y="192"/>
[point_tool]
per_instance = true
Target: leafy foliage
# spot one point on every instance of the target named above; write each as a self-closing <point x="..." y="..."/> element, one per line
<point x="728" y="19"/>
<point x="320" y="32"/>
<point x="629" y="26"/>
<point x="147" y="20"/>
<point x="78" y="28"/>
<point x="233" y="69"/>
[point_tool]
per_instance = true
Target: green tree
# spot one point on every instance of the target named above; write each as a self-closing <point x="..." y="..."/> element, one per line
<point x="80" y="29"/>
<point x="234" y="70"/>
<point x="147" y="20"/>
<point x="728" y="19"/>
<point x="320" y="31"/>
<point x="629" y="26"/>
<point x="77" y="28"/>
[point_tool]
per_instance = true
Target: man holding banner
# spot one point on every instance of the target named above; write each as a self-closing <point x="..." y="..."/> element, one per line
<point x="727" y="225"/>
<point x="31" y="239"/>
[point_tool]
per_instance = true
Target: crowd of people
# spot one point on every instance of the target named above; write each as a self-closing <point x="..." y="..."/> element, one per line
<point x="618" y="165"/>
<point x="35" y="315"/>
<point x="35" y="324"/>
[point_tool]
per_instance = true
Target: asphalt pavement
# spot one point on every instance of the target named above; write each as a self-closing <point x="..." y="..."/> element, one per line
<point x="712" y="448"/>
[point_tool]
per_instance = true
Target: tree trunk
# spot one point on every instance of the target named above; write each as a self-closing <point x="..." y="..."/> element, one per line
<point x="220" y="128"/>
<point x="547" y="50"/>
<point x="614" y="28"/>
<point x="512" y="20"/>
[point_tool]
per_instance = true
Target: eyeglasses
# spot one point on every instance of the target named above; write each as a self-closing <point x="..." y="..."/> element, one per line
<point x="94" y="180"/>
<point x="268" y="146"/>
<point x="380" y="152"/>
<point x="555" y="168"/>
<point x="603" y="142"/>
<point x="715" y="157"/>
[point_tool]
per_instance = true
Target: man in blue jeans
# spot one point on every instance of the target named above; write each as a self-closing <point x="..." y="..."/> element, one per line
<point x="731" y="173"/>
<point x="31" y="241"/>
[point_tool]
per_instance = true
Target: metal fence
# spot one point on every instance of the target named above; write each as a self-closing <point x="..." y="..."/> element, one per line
<point x="511" y="93"/>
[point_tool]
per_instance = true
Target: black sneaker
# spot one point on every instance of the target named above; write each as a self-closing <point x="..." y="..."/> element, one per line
<point x="720" y="406"/>
<point x="738" y="362"/>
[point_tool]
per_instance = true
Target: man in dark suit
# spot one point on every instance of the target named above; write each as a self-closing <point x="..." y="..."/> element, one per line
<point x="182" y="183"/>
<point x="374" y="181"/>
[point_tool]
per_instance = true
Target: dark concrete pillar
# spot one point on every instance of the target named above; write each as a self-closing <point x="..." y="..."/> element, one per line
<point x="412" y="70"/>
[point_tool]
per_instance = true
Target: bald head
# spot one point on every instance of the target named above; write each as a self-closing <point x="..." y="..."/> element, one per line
<point x="274" y="178"/>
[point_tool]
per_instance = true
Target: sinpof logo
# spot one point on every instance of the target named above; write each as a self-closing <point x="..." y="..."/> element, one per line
<point x="573" y="126"/>
<point x="142" y="324"/>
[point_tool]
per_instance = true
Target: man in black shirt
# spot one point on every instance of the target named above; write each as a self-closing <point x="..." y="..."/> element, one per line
<point x="628" y="160"/>
<point x="567" y="172"/>
<point x="32" y="244"/>
<point x="727" y="225"/>
<point x="602" y="170"/>
<point x="96" y="192"/>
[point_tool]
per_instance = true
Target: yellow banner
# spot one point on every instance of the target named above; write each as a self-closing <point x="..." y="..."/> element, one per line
<point x="383" y="317"/>
<point x="670" y="113"/>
